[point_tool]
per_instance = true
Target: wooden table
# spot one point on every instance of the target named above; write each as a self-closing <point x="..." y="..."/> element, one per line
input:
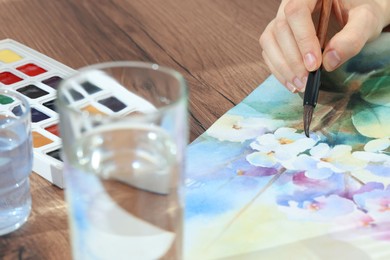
<point x="213" y="43"/>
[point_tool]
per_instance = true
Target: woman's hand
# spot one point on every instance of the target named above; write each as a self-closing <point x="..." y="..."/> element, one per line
<point x="291" y="48"/>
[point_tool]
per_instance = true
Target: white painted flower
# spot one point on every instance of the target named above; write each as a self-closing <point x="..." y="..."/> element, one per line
<point x="377" y="145"/>
<point x="378" y="162"/>
<point x="324" y="161"/>
<point x="281" y="147"/>
<point x="235" y="128"/>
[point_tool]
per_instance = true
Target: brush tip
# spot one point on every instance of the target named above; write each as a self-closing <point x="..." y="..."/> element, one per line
<point x="307" y="117"/>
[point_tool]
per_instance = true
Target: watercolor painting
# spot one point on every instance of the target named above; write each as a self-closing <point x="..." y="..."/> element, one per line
<point x="258" y="188"/>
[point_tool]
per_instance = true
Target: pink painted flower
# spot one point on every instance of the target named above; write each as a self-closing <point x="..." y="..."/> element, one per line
<point x="376" y="203"/>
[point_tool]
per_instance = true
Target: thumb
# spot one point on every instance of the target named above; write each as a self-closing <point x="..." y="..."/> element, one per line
<point x="362" y="25"/>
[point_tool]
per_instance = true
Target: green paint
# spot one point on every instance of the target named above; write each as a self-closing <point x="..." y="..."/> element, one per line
<point x="4" y="100"/>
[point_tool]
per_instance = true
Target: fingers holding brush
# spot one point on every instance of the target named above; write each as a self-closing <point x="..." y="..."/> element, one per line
<point x="292" y="48"/>
<point x="290" y="44"/>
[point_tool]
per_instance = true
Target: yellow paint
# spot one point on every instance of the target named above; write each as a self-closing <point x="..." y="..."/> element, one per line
<point x="40" y="140"/>
<point x="93" y="110"/>
<point x="8" y="56"/>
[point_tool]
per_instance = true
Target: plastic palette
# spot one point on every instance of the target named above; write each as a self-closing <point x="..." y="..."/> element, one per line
<point x="37" y="77"/>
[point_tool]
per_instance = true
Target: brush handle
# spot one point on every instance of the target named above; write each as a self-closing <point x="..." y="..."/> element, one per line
<point x="322" y="28"/>
<point x="314" y="79"/>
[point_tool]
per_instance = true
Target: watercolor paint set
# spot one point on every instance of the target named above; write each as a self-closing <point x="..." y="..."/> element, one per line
<point x="37" y="77"/>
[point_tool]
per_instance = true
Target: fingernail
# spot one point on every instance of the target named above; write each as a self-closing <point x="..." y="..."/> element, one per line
<point x="332" y="59"/>
<point x="310" y="61"/>
<point x="298" y="83"/>
<point x="291" y="87"/>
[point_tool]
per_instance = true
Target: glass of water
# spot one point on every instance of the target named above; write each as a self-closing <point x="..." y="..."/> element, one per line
<point x="15" y="160"/>
<point x="124" y="132"/>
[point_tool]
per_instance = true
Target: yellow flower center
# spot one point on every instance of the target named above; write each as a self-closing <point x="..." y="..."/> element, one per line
<point x="326" y="159"/>
<point x="240" y="172"/>
<point x="285" y="141"/>
<point x="313" y="207"/>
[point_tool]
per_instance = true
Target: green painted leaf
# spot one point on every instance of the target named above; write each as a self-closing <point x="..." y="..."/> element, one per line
<point x="372" y="121"/>
<point x="277" y="102"/>
<point x="376" y="88"/>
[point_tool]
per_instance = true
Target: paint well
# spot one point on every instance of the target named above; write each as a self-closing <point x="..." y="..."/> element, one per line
<point x="8" y="78"/>
<point x="4" y="100"/>
<point x="40" y="140"/>
<point x="76" y="95"/>
<point x="31" y="69"/>
<point x="8" y="56"/>
<point x="18" y="110"/>
<point x="93" y="110"/>
<point x="52" y="81"/>
<point x="53" y="129"/>
<point x="32" y="91"/>
<point x="90" y="88"/>
<point x="50" y="104"/>
<point x="37" y="116"/>
<point x="112" y="103"/>
<point x="56" y="154"/>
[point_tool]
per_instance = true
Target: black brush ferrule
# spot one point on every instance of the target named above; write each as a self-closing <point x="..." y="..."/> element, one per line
<point x="312" y="88"/>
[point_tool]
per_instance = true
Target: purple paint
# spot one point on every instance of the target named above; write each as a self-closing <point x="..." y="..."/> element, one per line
<point x="37" y="116"/>
<point x="112" y="103"/>
<point x="52" y="81"/>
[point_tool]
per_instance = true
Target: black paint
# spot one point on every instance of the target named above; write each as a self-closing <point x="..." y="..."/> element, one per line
<point x="32" y="91"/>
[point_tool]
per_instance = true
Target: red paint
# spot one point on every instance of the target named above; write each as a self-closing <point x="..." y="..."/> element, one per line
<point x="31" y="69"/>
<point x="8" y="78"/>
<point x="53" y="129"/>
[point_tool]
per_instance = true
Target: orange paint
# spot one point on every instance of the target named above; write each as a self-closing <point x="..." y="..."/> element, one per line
<point x="40" y="140"/>
<point x="93" y="110"/>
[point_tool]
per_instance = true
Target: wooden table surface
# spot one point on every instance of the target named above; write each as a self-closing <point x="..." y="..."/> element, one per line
<point x="213" y="43"/>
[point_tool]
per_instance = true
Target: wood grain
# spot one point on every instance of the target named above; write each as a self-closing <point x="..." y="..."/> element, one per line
<point x="214" y="44"/>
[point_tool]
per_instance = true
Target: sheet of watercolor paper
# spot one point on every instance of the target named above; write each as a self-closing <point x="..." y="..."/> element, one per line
<point x="257" y="188"/>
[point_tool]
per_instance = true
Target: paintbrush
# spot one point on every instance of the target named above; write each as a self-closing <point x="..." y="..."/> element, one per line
<point x="314" y="79"/>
